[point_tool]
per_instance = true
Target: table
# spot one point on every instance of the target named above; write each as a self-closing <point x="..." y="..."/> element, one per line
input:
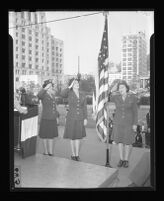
<point x="26" y="131"/>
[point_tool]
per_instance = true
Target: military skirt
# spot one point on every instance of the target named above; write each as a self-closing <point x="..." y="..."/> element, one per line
<point x="74" y="129"/>
<point x="48" y="129"/>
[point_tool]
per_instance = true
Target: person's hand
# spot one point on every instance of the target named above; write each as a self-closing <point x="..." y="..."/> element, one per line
<point x="48" y="86"/>
<point x="134" y="127"/>
<point x="57" y="121"/>
<point x="71" y="84"/>
<point x="85" y="122"/>
<point x="23" y="111"/>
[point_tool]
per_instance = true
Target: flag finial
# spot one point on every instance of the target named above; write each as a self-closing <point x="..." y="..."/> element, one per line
<point x="105" y="13"/>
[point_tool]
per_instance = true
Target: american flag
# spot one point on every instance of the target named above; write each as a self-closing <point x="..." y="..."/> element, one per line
<point x="102" y="98"/>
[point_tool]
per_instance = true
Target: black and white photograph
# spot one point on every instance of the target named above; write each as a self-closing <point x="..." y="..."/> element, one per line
<point x="82" y="89"/>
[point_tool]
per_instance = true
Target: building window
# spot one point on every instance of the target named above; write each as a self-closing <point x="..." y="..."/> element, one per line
<point x="30" y="66"/>
<point x="36" y="20"/>
<point x="23" y="29"/>
<point x="56" y="48"/>
<point x="36" y="53"/>
<point x="36" y="34"/>
<point x="129" y="49"/>
<point x="124" y="55"/>
<point x="36" y="66"/>
<point x="129" y="63"/>
<point x="124" y="64"/>
<point x="23" y="57"/>
<point x="23" y="50"/>
<point x="36" y="46"/>
<point x="22" y="14"/>
<point x="30" y="58"/>
<point x="124" y="59"/>
<point x="16" y="48"/>
<point x="23" y="43"/>
<point x="17" y="79"/>
<point x="23" y="36"/>
<point x="36" y="60"/>
<point x="16" y="55"/>
<point x="30" y="38"/>
<point x="16" y="34"/>
<point x="23" y="65"/>
<point x="30" y="45"/>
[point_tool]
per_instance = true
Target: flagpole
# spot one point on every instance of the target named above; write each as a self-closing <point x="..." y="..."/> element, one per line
<point x="108" y="154"/>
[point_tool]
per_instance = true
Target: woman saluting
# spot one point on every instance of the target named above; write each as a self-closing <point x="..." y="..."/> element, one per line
<point x="76" y="119"/>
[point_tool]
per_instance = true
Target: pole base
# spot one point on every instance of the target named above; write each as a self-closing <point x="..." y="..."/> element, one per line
<point x="108" y="165"/>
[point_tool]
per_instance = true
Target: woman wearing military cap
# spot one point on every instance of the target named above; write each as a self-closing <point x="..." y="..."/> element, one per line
<point x="125" y="120"/>
<point x="76" y="118"/>
<point x="49" y="118"/>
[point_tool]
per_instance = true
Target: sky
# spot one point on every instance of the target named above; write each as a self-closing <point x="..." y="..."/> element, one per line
<point x="82" y="36"/>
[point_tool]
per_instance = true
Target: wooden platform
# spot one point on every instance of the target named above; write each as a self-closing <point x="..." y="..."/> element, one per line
<point x="41" y="171"/>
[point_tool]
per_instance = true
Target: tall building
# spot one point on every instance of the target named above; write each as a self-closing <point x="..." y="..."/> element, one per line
<point x="114" y="72"/>
<point x="134" y="59"/>
<point x="35" y="49"/>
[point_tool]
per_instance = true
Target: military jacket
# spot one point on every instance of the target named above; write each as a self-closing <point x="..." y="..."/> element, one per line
<point x="126" y="110"/>
<point x="49" y="110"/>
<point x="77" y="106"/>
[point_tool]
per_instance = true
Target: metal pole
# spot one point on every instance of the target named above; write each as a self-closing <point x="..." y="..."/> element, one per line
<point x="108" y="154"/>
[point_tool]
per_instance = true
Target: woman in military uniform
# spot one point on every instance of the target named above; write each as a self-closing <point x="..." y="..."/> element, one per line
<point x="49" y="118"/>
<point x="125" y="120"/>
<point x="76" y="118"/>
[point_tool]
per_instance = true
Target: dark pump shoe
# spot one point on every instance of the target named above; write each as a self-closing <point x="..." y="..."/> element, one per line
<point x="77" y="158"/>
<point x="126" y="164"/>
<point x="120" y="163"/>
<point x="73" y="158"/>
<point x="51" y="154"/>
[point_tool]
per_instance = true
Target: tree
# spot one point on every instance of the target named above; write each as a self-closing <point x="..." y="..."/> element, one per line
<point x="88" y="85"/>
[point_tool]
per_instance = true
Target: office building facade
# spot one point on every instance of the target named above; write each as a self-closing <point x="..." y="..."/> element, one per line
<point x="35" y="49"/>
<point x="134" y="57"/>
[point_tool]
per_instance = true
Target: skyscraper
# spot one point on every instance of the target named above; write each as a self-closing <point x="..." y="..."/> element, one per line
<point x="35" y="49"/>
<point x="134" y="60"/>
